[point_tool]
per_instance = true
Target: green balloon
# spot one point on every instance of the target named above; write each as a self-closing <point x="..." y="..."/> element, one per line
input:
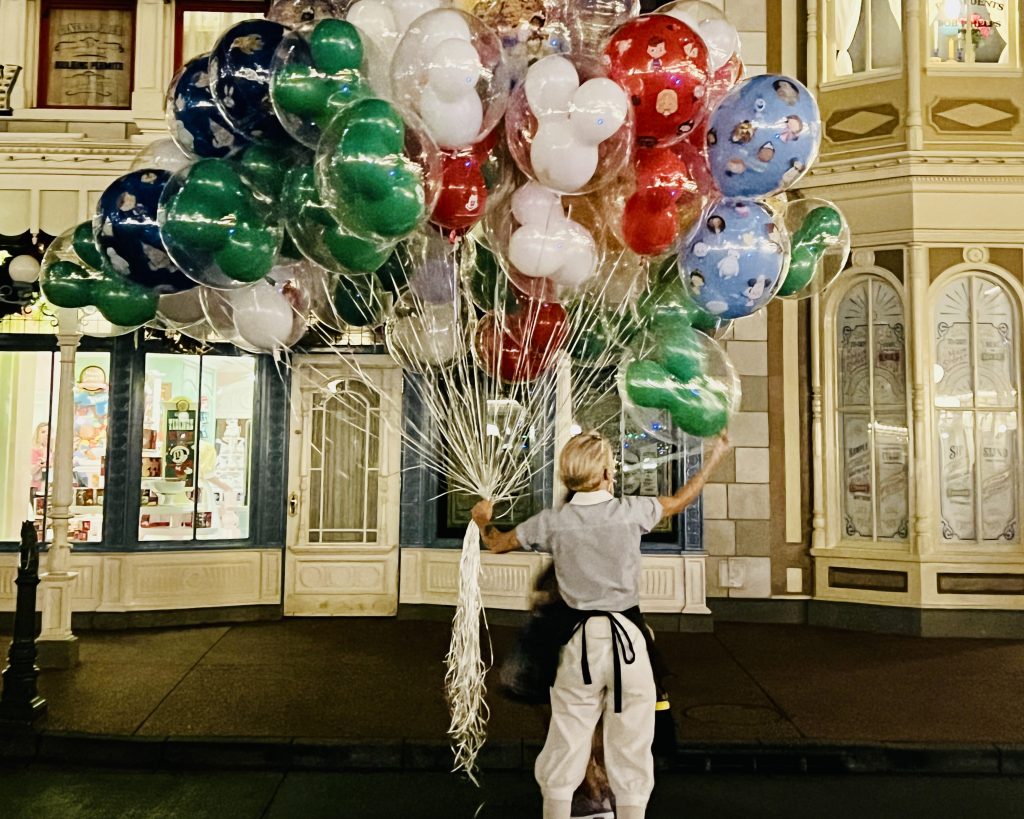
<point x="590" y="343"/>
<point x="301" y="200"/>
<point x="400" y="210"/>
<point x="66" y="284"/>
<point x="394" y="273"/>
<point x="84" y="244"/>
<point x="125" y="303"/>
<point x="668" y="296"/>
<point x="200" y="234"/>
<point x="678" y="347"/>
<point x="354" y="253"/>
<point x="299" y="90"/>
<point x="265" y="169"/>
<point x="820" y="229"/>
<point x="248" y="253"/>
<point x="346" y="90"/>
<point x="372" y="128"/>
<point x="697" y="407"/>
<point x="359" y="301"/>
<point x="336" y="46"/>
<point x="212" y="190"/>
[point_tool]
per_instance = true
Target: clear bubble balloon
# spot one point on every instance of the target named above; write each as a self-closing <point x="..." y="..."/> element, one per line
<point x="591" y="22"/>
<point x="378" y="171"/>
<point x="161" y="154"/>
<point x="271" y="316"/>
<point x="569" y="127"/>
<point x="293" y="13"/>
<point x="179" y="311"/>
<point x="320" y="69"/>
<point x="528" y="30"/>
<point x="718" y="34"/>
<point x="422" y="335"/>
<point x="678" y="382"/>
<point x="450" y="69"/>
<point x="819" y="246"/>
<point x="215" y="228"/>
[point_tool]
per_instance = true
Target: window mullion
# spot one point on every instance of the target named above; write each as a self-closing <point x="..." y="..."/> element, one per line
<point x="871" y="410"/>
<point x="972" y="318"/>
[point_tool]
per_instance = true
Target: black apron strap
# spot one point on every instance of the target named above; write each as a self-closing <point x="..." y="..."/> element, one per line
<point x="623" y="651"/>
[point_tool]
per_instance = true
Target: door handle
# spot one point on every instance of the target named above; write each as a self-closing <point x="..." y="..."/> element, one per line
<point x="293" y="504"/>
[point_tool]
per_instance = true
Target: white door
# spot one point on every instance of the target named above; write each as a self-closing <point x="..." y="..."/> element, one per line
<point x="344" y="487"/>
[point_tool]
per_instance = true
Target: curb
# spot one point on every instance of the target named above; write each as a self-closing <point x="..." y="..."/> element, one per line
<point x="313" y="754"/>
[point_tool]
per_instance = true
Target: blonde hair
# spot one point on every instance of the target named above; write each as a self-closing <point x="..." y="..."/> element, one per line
<point x="585" y="460"/>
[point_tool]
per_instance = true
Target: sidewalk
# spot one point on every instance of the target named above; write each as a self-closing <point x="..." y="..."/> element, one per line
<point x="367" y="693"/>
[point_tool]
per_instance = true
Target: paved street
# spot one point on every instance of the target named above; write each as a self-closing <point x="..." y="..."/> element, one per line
<point x="41" y="793"/>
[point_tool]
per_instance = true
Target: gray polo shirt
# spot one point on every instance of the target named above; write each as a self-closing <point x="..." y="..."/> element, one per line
<point x="595" y="543"/>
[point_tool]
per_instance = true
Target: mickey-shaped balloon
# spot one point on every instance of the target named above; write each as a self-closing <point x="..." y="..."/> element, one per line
<point x="822" y="230"/>
<point x="547" y="244"/>
<point x="214" y="227"/>
<point x="317" y="233"/>
<point x="368" y="180"/>
<point x="68" y="280"/>
<point x="318" y="70"/>
<point x="570" y="136"/>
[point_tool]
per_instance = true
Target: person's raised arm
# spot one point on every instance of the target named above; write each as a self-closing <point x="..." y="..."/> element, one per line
<point x="494" y="540"/>
<point x="687" y="494"/>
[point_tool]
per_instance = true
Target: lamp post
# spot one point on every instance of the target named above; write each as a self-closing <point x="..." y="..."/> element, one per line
<point x="58" y="646"/>
<point x="20" y="702"/>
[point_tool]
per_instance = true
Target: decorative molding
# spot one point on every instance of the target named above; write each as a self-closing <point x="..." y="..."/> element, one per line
<point x="669" y="583"/>
<point x="863" y="257"/>
<point x="974" y="116"/>
<point x="871" y="122"/>
<point x="975" y="254"/>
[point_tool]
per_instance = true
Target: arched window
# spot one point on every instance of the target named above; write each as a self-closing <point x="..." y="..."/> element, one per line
<point x="871" y="413"/>
<point x="977" y="406"/>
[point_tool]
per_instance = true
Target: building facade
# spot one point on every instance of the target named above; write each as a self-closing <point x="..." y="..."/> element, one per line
<point x="863" y="489"/>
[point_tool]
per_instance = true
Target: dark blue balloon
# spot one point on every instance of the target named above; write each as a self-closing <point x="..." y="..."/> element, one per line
<point x="128" y="236"/>
<point x="763" y="136"/>
<point x="197" y="125"/>
<point x="733" y="261"/>
<point x="240" y="73"/>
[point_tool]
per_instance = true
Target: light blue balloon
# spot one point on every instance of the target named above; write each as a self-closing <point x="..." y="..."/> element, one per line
<point x="734" y="261"/>
<point x="763" y="136"/>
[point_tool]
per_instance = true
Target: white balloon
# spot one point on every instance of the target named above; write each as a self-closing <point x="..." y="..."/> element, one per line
<point x="454" y="69"/>
<point x="533" y="204"/>
<point x="534" y="251"/>
<point x="722" y="41"/>
<point x="163" y="154"/>
<point x="550" y="84"/>
<point x="408" y="10"/>
<point x="263" y="317"/>
<point x="452" y="124"/>
<point x="560" y="160"/>
<point x="377" y="21"/>
<point x="434" y="29"/>
<point x="579" y="258"/>
<point x="599" y="108"/>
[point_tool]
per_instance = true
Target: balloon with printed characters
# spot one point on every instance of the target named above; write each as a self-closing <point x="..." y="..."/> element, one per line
<point x="196" y="123"/>
<point x="736" y="259"/>
<point x="763" y="136"/>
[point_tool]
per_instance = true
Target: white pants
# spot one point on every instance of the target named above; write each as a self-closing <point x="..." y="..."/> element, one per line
<point x="576" y="708"/>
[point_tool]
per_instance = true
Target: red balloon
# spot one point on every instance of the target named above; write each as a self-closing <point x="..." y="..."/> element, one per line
<point x="525" y="346"/>
<point x="663" y="66"/>
<point x="463" y="196"/>
<point x="540" y="325"/>
<point x="649" y="223"/>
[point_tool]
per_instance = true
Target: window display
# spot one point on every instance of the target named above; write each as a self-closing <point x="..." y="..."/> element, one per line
<point x="871" y="423"/>
<point x="27" y="428"/>
<point x="976" y="404"/>
<point x="970" y="32"/>
<point x="199" y="24"/>
<point x="195" y="447"/>
<point x="866" y="35"/>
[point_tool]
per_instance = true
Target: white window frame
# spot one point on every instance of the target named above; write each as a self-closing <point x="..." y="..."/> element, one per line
<point x="833" y="465"/>
<point x="1015" y="292"/>
<point x="828" y="53"/>
<point x="1012" y="67"/>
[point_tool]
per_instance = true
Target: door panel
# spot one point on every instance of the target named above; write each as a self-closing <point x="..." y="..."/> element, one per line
<point x="342" y="555"/>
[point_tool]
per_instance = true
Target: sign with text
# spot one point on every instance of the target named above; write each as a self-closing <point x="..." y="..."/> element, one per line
<point x="89" y="58"/>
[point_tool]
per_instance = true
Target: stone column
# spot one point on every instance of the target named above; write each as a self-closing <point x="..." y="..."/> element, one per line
<point x="921" y="498"/>
<point x="58" y="646"/>
<point x="818" y="540"/>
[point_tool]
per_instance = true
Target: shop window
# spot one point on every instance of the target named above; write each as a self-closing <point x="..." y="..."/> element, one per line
<point x="87" y="51"/>
<point x="198" y="25"/>
<point x="28" y="416"/>
<point x="976" y="374"/>
<point x="871" y="413"/>
<point x="196" y="447"/>
<point x="964" y="33"/>
<point x="865" y="35"/>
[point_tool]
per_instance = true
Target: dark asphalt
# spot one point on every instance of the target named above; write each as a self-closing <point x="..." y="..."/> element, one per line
<point x="47" y="793"/>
